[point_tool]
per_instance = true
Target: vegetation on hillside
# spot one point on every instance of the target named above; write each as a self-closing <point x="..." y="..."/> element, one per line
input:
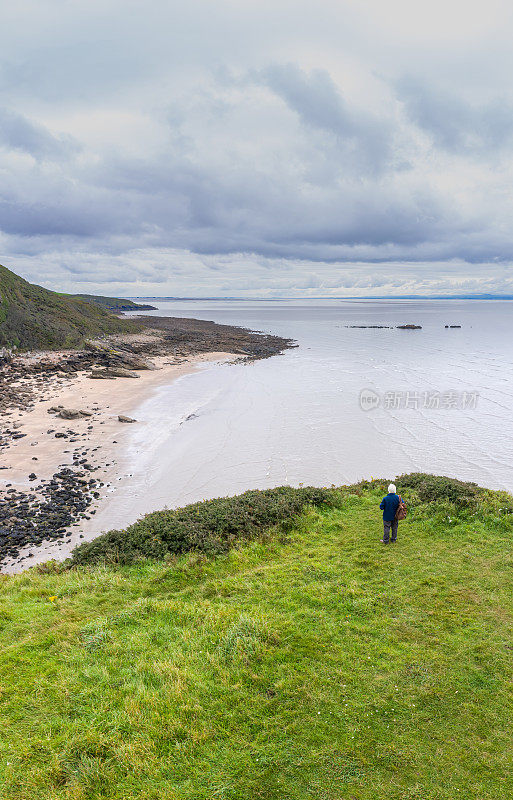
<point x="212" y="526"/>
<point x="113" y="303"/>
<point x="308" y="662"/>
<point x="35" y="318"/>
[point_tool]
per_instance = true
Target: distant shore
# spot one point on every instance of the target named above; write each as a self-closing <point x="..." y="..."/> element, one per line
<point x="57" y="472"/>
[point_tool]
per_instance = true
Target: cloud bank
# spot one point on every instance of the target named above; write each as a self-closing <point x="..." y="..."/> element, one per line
<point x="257" y="149"/>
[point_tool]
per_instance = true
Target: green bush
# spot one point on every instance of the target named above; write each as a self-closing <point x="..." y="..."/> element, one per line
<point x="438" y="488"/>
<point x="211" y="526"/>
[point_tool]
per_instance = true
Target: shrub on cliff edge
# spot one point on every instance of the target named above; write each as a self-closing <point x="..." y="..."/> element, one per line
<point x="211" y="526"/>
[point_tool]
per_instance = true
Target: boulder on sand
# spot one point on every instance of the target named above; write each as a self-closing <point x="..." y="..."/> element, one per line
<point x="100" y="373"/>
<point x="69" y="413"/>
<point x="113" y="357"/>
<point x="137" y="362"/>
<point x="123" y="418"/>
<point x="114" y="372"/>
<point x="121" y="372"/>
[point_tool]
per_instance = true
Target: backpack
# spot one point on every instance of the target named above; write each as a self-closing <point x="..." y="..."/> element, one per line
<point x="401" y="509"/>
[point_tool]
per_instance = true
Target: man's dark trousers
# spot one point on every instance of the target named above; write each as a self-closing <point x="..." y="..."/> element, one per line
<point x="394" y="524"/>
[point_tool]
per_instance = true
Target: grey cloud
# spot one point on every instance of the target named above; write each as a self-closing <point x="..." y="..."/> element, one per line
<point x="48" y="220"/>
<point x="454" y="124"/>
<point x="318" y="102"/>
<point x="47" y="201"/>
<point x="202" y="208"/>
<point x="19" y="133"/>
<point x="206" y="160"/>
<point x="314" y="96"/>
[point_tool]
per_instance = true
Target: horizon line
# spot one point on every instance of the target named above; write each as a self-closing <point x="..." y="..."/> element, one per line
<point x="482" y="296"/>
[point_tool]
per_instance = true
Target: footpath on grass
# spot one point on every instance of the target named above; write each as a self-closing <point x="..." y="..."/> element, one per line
<point x="276" y="652"/>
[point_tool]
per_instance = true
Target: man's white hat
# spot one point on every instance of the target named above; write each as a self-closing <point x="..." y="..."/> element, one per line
<point x="391" y="488"/>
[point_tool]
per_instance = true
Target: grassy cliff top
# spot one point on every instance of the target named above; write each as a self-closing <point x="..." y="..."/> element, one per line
<point x="310" y="662"/>
<point x="35" y="318"/>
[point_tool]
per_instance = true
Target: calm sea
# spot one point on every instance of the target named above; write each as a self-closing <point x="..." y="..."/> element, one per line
<point x="348" y="403"/>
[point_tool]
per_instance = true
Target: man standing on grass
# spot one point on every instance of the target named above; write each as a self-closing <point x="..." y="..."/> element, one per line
<point x="389" y="506"/>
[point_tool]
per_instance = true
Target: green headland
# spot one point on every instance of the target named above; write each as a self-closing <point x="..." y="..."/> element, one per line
<point x="267" y="646"/>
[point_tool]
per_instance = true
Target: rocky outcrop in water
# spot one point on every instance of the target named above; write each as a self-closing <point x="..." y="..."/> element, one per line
<point x="390" y="327"/>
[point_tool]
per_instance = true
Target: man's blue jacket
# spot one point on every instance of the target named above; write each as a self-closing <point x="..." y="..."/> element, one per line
<point x="389" y="504"/>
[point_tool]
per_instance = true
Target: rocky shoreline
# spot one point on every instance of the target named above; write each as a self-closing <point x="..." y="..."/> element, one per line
<point x="30" y="518"/>
<point x="47" y="509"/>
<point x="23" y="377"/>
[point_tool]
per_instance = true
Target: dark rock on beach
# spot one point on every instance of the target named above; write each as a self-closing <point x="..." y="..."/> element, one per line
<point x="44" y="516"/>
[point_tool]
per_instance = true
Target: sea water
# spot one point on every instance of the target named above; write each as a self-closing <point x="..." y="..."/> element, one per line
<point x="347" y="403"/>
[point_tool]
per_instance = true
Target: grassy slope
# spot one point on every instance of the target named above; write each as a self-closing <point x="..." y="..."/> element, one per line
<point x="324" y="666"/>
<point x="32" y="317"/>
<point x="111" y="302"/>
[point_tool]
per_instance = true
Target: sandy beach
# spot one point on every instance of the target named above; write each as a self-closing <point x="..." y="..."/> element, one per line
<point x="98" y="438"/>
<point x="66" y="459"/>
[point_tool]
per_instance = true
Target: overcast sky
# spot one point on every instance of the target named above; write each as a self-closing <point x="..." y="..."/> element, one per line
<point x="257" y="147"/>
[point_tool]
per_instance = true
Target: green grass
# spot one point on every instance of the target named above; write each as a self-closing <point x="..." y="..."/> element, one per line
<point x="309" y="664"/>
<point x="32" y="317"/>
<point x="112" y="303"/>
